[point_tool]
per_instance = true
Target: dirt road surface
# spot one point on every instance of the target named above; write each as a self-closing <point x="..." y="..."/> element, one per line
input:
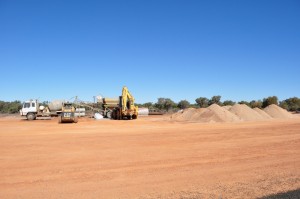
<point x="148" y="158"/>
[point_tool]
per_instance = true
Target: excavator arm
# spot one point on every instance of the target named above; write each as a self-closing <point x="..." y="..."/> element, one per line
<point x="127" y="104"/>
<point x="127" y="99"/>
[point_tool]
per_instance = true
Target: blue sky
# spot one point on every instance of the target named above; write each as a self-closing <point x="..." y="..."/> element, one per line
<point x="241" y="50"/>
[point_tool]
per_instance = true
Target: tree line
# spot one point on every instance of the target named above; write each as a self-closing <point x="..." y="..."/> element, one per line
<point x="166" y="104"/>
<point x="14" y="106"/>
<point x="10" y="107"/>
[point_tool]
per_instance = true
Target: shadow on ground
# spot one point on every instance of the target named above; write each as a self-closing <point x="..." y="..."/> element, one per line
<point x="295" y="194"/>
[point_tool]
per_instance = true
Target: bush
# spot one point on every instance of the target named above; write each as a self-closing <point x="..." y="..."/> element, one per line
<point x="228" y="103"/>
<point x="215" y="100"/>
<point x="291" y="104"/>
<point x="245" y="102"/>
<point x="10" y="107"/>
<point x="270" y="100"/>
<point x="256" y="104"/>
<point x="202" y="102"/>
<point x="148" y="105"/>
<point x="284" y="105"/>
<point x="183" y="104"/>
<point x="165" y="104"/>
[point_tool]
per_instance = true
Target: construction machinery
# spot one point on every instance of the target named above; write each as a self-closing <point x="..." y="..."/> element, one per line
<point x="120" y="108"/>
<point x="32" y="109"/>
<point x="126" y="108"/>
<point x="67" y="114"/>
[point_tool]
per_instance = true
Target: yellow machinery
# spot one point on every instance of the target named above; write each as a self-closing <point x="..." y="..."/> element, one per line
<point x="67" y="114"/>
<point x="126" y="108"/>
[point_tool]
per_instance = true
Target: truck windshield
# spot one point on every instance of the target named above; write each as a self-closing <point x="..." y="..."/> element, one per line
<point x="26" y="105"/>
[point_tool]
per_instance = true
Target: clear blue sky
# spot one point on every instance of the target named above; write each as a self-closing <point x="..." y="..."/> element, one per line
<point x="241" y="50"/>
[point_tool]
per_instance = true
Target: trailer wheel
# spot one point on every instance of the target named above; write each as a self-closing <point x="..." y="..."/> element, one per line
<point x="30" y="116"/>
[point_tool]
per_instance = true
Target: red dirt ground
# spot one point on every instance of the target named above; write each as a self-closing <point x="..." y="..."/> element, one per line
<point x="148" y="158"/>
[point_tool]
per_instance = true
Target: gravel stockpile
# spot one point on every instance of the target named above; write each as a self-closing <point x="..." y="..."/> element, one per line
<point x="245" y="113"/>
<point x="236" y="113"/>
<point x="277" y="112"/>
<point x="262" y="113"/>
<point x="213" y="113"/>
<point x="220" y="114"/>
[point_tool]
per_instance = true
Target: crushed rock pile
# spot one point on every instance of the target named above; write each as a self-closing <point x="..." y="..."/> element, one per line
<point x="262" y="113"/>
<point x="220" y="114"/>
<point x="228" y="107"/>
<point x="277" y="112"/>
<point x="245" y="113"/>
<point x="213" y="113"/>
<point x="236" y="113"/>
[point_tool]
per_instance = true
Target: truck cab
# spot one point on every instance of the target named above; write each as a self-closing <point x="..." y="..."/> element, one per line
<point x="29" y="109"/>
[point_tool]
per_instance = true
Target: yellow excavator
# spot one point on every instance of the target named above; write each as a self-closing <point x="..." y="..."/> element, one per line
<point x="126" y="108"/>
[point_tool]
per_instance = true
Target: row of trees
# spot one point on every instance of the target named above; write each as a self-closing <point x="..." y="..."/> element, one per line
<point x="10" y="107"/>
<point x="15" y="106"/>
<point x="166" y="104"/>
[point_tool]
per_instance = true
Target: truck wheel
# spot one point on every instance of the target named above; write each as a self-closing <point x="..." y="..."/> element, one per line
<point x="30" y="116"/>
<point x="113" y="115"/>
<point x="134" y="117"/>
<point x="119" y="115"/>
<point x="59" y="119"/>
<point x="75" y="119"/>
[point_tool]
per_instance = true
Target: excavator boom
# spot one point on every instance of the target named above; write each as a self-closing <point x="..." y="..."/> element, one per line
<point x="127" y="99"/>
<point x="126" y="108"/>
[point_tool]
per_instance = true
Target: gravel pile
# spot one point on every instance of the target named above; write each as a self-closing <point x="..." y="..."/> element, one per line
<point x="236" y="113"/>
